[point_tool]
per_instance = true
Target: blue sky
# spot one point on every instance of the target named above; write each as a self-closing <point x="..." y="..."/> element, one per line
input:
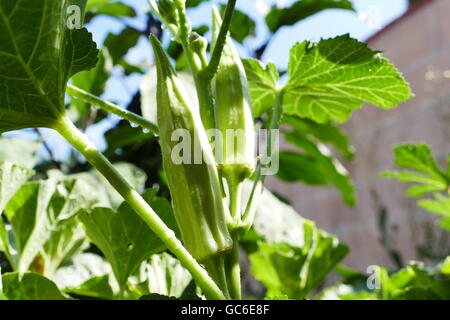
<point x="371" y="15"/>
<point x="323" y="25"/>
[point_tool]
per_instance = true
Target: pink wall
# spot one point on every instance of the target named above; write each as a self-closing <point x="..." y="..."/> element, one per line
<point x="419" y="45"/>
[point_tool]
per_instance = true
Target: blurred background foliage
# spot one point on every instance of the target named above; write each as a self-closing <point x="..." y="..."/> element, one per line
<point x="65" y="252"/>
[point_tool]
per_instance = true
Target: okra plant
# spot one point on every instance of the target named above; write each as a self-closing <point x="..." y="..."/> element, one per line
<point x="219" y="208"/>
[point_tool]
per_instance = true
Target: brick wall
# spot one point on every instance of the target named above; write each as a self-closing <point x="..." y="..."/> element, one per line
<point x="419" y="45"/>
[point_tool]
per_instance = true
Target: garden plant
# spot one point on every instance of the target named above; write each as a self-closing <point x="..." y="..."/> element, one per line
<point x="175" y="206"/>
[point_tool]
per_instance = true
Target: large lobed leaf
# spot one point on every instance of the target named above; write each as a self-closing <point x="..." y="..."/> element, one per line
<point x="295" y="256"/>
<point x="164" y="275"/>
<point x="415" y="282"/>
<point x="263" y="84"/>
<point x="38" y="212"/>
<point x="29" y="286"/>
<point x="87" y="275"/>
<point x="419" y="167"/>
<point x="12" y="177"/>
<point x="330" y="79"/>
<point x="316" y="164"/>
<point x="123" y="237"/>
<point x="39" y="54"/>
<point x="440" y="206"/>
<point x="421" y="170"/>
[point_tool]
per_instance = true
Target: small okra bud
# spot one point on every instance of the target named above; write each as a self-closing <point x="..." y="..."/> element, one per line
<point x="169" y="11"/>
<point x="233" y="112"/>
<point x="195" y="188"/>
<point x="197" y="43"/>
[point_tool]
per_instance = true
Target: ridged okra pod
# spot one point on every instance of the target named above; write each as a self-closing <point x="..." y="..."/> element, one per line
<point x="233" y="112"/>
<point x="194" y="185"/>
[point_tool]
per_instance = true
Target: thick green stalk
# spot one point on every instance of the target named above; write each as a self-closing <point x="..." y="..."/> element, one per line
<point x="82" y="143"/>
<point x="233" y="270"/>
<point x="232" y="258"/>
<point x="250" y="211"/>
<point x="112" y="108"/>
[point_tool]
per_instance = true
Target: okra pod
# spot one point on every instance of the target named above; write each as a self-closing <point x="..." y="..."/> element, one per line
<point x="194" y="185"/>
<point x="234" y="117"/>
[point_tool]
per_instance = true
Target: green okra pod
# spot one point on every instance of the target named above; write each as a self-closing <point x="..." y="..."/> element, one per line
<point x="194" y="185"/>
<point x="233" y="112"/>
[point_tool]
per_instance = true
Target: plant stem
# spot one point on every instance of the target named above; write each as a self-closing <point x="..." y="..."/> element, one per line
<point x="216" y="268"/>
<point x="233" y="269"/>
<point x="250" y="211"/>
<point x="82" y="143"/>
<point x="275" y="120"/>
<point x="202" y="85"/>
<point x="232" y="259"/>
<point x="235" y="189"/>
<point x="216" y="55"/>
<point x="112" y="108"/>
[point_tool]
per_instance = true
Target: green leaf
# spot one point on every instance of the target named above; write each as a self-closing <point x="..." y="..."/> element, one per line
<point x="296" y="256"/>
<point x="93" y="4"/>
<point x="330" y="79"/>
<point x="445" y="268"/>
<point x="125" y="136"/>
<point x="39" y="54"/>
<point x="12" y="177"/>
<point x="422" y="170"/>
<point x="21" y="152"/>
<point x="163" y="275"/>
<point x="80" y="269"/>
<point x="263" y="83"/>
<point x="282" y="297"/>
<point x="332" y="169"/>
<point x="415" y="282"/>
<point x="38" y="209"/>
<point x="134" y="176"/>
<point x="301" y="10"/>
<point x="242" y="26"/>
<point x="345" y="292"/>
<point x="291" y="271"/>
<point x="156" y="296"/>
<point x="194" y="3"/>
<point x="67" y="239"/>
<point x="119" y="44"/>
<point x="123" y="237"/>
<point x="114" y="9"/>
<point x="328" y="133"/>
<point x="96" y="287"/>
<point x="298" y="167"/>
<point x="29" y="286"/>
<point x="101" y="189"/>
<point x="441" y="206"/>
